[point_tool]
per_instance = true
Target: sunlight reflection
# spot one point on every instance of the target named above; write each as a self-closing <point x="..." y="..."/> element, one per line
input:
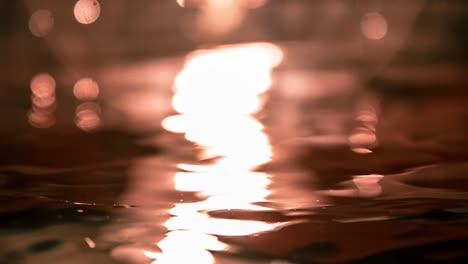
<point x="216" y="93"/>
<point x="87" y="11"/>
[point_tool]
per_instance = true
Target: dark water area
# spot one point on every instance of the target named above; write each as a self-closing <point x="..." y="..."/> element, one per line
<point x="313" y="146"/>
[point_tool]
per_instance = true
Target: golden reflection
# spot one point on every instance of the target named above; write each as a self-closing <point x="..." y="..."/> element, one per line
<point x="86" y="89"/>
<point x="216" y="93"/>
<point x="87" y="11"/>
<point x="374" y="26"/>
<point x="43" y="103"/>
<point x="41" y="23"/>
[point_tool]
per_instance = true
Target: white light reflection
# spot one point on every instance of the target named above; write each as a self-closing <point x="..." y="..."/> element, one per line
<point x="216" y="93"/>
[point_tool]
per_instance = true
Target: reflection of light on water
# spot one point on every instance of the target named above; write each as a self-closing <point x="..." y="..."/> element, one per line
<point x="87" y="11"/>
<point x="368" y="185"/>
<point x="41" y="23"/>
<point x="216" y="92"/>
<point x="364" y="138"/>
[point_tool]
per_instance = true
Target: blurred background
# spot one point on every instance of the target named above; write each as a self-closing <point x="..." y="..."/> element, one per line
<point x="116" y="44"/>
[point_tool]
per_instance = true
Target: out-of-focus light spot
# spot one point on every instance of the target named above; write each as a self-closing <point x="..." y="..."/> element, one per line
<point x="362" y="140"/>
<point x="43" y="85"/>
<point x="87" y="11"/>
<point x="86" y="89"/>
<point x="41" y="23"/>
<point x="368" y="185"/>
<point x="90" y="242"/>
<point x="40" y="119"/>
<point x="374" y="26"/>
<point x="87" y="116"/>
<point x="217" y="91"/>
<point x="181" y="3"/>
<point x="43" y="101"/>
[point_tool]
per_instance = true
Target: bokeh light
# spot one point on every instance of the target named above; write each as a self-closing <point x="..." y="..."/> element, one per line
<point x="88" y="116"/>
<point x="40" y="119"/>
<point x="374" y="26"/>
<point x="87" y="11"/>
<point x="43" y="100"/>
<point x="41" y="23"/>
<point x="86" y="89"/>
<point x="43" y="85"/>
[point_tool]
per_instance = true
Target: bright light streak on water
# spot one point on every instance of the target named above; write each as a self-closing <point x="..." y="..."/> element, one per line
<point x="216" y="93"/>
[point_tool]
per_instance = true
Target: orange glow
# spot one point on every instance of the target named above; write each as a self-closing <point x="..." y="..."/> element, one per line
<point x="216" y="93"/>
<point x="87" y="11"/>
<point x="41" y="23"/>
<point x="374" y="26"/>
<point x="87" y="116"/>
<point x="86" y="89"/>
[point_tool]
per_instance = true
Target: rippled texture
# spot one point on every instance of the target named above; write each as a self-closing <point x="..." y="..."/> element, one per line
<point x="119" y="198"/>
<point x="255" y="152"/>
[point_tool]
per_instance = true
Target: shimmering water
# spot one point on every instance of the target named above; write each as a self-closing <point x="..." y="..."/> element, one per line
<point x="302" y="166"/>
